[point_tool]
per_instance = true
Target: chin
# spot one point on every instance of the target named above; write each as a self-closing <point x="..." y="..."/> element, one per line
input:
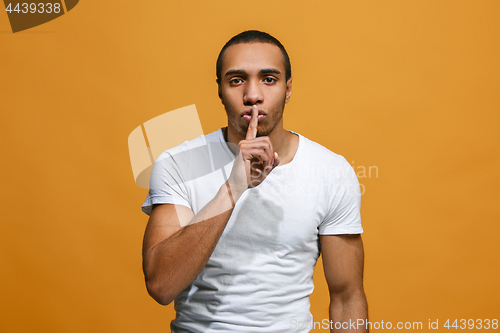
<point x="263" y="133"/>
<point x="266" y="130"/>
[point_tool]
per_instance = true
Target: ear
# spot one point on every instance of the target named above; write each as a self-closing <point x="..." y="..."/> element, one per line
<point x="219" y="91"/>
<point x="288" y="89"/>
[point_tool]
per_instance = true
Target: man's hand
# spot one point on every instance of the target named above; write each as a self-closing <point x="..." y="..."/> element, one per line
<point x="255" y="160"/>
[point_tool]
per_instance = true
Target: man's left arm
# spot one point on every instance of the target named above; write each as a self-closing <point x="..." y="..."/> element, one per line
<point x="343" y="262"/>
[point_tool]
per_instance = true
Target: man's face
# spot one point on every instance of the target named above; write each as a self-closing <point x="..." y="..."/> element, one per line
<point x="254" y="74"/>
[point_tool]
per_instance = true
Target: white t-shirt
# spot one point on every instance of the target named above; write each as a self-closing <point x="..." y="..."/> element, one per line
<point x="259" y="277"/>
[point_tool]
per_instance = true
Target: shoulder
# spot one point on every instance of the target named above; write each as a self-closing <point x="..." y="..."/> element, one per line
<point x="321" y="155"/>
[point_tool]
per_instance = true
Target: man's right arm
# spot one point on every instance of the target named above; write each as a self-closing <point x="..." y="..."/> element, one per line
<point x="177" y="244"/>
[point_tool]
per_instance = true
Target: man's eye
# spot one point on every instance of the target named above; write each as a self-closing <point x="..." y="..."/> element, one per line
<point x="235" y="81"/>
<point x="270" y="80"/>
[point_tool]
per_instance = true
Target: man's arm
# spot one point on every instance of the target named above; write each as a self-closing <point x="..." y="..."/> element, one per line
<point x="177" y="244"/>
<point x="174" y="253"/>
<point x="343" y="261"/>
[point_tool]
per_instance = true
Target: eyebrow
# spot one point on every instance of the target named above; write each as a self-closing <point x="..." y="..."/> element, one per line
<point x="262" y="71"/>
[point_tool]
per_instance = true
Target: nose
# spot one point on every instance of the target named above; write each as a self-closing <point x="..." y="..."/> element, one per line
<point x="253" y="93"/>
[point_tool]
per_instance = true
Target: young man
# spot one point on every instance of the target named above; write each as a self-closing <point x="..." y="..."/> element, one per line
<point x="237" y="252"/>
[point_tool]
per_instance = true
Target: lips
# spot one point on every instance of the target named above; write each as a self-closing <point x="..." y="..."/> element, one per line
<point x="247" y="115"/>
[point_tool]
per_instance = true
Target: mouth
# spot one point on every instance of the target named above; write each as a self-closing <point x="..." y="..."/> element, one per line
<point x="247" y="115"/>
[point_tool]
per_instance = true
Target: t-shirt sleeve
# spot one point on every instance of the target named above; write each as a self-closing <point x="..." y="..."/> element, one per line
<point x="344" y="203"/>
<point x="167" y="184"/>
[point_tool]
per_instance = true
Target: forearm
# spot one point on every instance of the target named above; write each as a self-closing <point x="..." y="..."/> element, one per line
<point x="348" y="312"/>
<point x="172" y="264"/>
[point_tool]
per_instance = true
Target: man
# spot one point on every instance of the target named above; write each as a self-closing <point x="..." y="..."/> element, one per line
<point x="237" y="252"/>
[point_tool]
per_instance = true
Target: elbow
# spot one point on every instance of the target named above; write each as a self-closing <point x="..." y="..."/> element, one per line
<point x="347" y="294"/>
<point x="162" y="285"/>
<point x="159" y="292"/>
<point x="158" y="288"/>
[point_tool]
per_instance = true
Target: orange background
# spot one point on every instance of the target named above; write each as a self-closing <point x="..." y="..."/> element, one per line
<point x="411" y="87"/>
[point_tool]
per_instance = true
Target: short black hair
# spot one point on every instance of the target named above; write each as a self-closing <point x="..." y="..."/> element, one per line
<point x="254" y="36"/>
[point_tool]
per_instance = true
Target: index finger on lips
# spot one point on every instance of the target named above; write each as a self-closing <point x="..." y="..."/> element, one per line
<point x="252" y="127"/>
